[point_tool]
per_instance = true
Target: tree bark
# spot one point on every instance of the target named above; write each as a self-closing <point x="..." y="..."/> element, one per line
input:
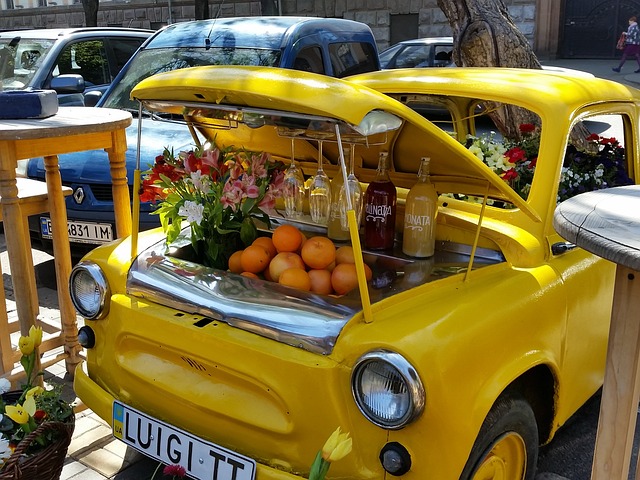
<point x="90" y="8"/>
<point x="484" y="35"/>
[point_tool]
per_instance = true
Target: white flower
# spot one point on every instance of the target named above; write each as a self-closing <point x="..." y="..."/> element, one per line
<point x="201" y="182"/>
<point x="192" y="211"/>
<point x="5" y="385"/>
<point x="5" y="450"/>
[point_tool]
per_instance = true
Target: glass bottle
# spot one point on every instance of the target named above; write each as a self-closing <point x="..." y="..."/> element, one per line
<point x="319" y="193"/>
<point x="294" y="191"/>
<point x="355" y="192"/>
<point x="380" y="209"/>
<point x="420" y="212"/>
<point x="334" y="227"/>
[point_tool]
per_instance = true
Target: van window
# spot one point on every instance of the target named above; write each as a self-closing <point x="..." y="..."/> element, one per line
<point x="309" y="60"/>
<point x="352" y="58"/>
<point x="88" y="59"/>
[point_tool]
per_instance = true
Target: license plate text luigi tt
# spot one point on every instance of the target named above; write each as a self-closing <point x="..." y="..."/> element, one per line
<point x="201" y="459"/>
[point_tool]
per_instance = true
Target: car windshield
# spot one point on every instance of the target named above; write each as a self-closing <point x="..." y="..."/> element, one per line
<point x="152" y="61"/>
<point x="387" y="55"/>
<point x="20" y="59"/>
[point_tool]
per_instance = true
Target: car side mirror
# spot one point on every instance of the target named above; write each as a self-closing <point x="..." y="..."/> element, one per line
<point x="68" y="83"/>
<point x="92" y="98"/>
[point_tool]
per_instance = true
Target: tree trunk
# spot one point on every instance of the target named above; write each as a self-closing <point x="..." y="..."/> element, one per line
<point x="202" y="9"/>
<point x="90" y="8"/>
<point x="484" y="35"/>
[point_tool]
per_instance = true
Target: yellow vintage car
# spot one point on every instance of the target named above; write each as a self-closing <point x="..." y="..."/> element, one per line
<point x="458" y="366"/>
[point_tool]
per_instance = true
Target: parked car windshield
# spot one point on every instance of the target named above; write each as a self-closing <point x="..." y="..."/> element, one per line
<point x="152" y="61"/>
<point x="20" y="59"/>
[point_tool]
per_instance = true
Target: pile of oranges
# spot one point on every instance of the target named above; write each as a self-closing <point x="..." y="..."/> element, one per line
<point x="290" y="258"/>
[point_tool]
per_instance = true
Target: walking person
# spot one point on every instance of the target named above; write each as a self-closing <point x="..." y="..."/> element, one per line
<point x="631" y="45"/>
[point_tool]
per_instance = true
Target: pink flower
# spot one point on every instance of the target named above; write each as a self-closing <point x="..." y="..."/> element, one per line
<point x="175" y="470"/>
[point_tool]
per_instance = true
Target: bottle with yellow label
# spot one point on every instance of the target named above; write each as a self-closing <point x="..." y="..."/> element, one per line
<point x="420" y="216"/>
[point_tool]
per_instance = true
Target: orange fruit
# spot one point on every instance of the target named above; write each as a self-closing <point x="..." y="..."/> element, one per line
<point x="286" y="238"/>
<point x="318" y="252"/>
<point x="344" y="277"/>
<point x="283" y="261"/>
<point x="296" y="278"/>
<point x="254" y="259"/>
<point x="344" y="254"/>
<point x="249" y="274"/>
<point x="320" y="281"/>
<point x="234" y="262"/>
<point x="267" y="243"/>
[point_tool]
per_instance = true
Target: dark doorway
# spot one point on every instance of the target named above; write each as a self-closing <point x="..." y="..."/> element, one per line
<point x="403" y="27"/>
<point x="592" y="27"/>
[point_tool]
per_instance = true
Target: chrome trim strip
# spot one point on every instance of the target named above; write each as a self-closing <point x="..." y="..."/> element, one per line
<point x="302" y="319"/>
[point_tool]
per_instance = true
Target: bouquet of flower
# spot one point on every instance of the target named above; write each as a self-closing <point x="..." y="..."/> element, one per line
<point x="602" y="166"/>
<point x="219" y="192"/>
<point x="23" y="411"/>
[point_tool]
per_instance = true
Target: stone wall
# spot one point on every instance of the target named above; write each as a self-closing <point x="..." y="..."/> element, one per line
<point x="154" y="14"/>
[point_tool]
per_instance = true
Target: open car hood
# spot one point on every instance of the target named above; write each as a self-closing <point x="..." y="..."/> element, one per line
<point x="262" y="108"/>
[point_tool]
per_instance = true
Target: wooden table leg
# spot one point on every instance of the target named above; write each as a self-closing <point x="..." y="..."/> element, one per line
<point x="619" y="404"/>
<point x="18" y="245"/>
<point x="62" y="260"/>
<point x="120" y="185"/>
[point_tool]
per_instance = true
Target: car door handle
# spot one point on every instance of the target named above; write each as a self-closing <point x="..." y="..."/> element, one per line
<point x="562" y="247"/>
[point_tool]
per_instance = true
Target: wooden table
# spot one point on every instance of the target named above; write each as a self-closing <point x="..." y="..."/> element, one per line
<point x="607" y="223"/>
<point x="72" y="129"/>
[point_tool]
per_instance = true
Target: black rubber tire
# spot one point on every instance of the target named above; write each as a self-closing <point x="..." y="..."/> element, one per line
<point x="510" y="417"/>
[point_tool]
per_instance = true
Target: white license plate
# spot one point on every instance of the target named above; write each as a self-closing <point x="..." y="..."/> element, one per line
<point x="80" y="232"/>
<point x="201" y="459"/>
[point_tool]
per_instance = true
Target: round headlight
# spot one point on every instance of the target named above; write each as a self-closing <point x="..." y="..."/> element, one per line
<point x="387" y="389"/>
<point x="89" y="290"/>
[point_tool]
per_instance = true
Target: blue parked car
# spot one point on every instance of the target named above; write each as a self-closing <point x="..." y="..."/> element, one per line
<point x="329" y="46"/>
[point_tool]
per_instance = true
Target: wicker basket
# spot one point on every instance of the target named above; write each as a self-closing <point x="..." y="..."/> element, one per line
<point x="47" y="463"/>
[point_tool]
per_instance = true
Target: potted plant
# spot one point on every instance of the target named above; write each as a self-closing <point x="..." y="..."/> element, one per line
<point x="36" y="424"/>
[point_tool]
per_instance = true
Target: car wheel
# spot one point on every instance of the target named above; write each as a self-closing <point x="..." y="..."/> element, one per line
<point x="507" y="445"/>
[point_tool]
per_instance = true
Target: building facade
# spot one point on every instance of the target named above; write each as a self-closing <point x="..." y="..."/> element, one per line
<point x="555" y="28"/>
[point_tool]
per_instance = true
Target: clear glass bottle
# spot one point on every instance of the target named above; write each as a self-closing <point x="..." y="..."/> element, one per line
<point x="380" y="209"/>
<point x="334" y="227"/>
<point x="418" y="239"/>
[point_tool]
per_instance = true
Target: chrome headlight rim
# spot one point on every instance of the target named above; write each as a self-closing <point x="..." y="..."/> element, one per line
<point x="101" y="284"/>
<point x="410" y="378"/>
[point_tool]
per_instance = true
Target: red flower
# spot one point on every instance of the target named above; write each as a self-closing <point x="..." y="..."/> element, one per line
<point x="510" y="175"/>
<point x="515" y="155"/>
<point x="39" y="416"/>
<point x="175" y="470"/>
<point x="594" y="137"/>
<point x="527" y="127"/>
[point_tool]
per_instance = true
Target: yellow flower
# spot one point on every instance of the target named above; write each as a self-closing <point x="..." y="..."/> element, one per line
<point x="32" y="392"/>
<point x="36" y="334"/>
<point x="337" y="446"/>
<point x="26" y="345"/>
<point x="20" y="413"/>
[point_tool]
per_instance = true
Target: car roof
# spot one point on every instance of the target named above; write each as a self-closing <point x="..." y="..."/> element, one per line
<point x="55" y="33"/>
<point x="535" y="89"/>
<point x="266" y="31"/>
<point x="425" y="41"/>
